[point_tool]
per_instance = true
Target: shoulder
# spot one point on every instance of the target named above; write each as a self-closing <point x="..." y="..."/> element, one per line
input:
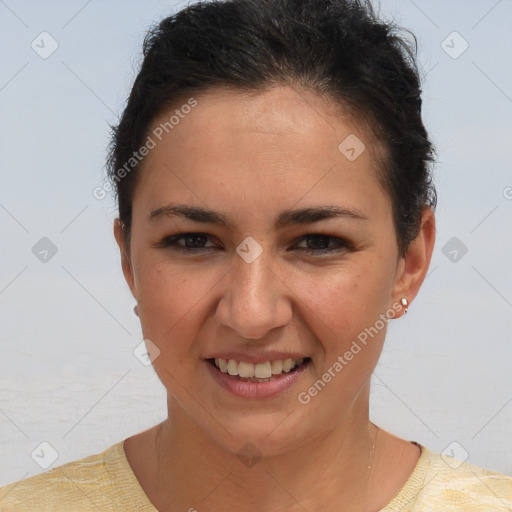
<point x="98" y="482"/>
<point x="444" y="483"/>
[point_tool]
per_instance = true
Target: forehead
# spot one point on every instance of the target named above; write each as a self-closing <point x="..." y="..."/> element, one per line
<point x="278" y="110"/>
<point x="280" y="141"/>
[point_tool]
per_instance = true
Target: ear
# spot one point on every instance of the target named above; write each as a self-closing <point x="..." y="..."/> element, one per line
<point x="414" y="265"/>
<point x="126" y="263"/>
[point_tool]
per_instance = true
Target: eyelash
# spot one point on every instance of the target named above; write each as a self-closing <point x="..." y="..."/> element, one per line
<point x="170" y="242"/>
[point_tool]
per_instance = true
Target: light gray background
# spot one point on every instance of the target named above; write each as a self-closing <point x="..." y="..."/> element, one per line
<point x="67" y="373"/>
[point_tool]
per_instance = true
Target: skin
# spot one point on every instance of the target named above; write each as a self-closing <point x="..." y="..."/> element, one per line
<point x="251" y="156"/>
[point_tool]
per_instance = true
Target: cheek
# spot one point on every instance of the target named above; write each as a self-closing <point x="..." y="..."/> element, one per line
<point x="166" y="299"/>
<point x="340" y="298"/>
<point x="339" y="306"/>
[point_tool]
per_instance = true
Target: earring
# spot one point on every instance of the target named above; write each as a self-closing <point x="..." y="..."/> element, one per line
<point x="404" y="303"/>
<point x="136" y="310"/>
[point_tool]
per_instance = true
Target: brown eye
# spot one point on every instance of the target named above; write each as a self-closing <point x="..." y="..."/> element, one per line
<point x="318" y="244"/>
<point x="186" y="242"/>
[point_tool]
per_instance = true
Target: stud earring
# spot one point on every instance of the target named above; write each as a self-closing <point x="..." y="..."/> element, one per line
<point x="136" y="310"/>
<point x="405" y="303"/>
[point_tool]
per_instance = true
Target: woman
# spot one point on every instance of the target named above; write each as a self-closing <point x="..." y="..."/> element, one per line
<point x="275" y="214"/>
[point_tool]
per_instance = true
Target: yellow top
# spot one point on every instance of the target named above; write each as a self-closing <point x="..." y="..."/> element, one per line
<point x="105" y="482"/>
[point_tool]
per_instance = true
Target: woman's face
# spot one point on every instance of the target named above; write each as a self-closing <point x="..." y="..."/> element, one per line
<point x="253" y="289"/>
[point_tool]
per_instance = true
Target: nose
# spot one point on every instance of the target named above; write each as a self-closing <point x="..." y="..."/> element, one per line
<point x="256" y="299"/>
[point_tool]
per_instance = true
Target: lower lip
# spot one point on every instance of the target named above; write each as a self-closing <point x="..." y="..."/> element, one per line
<point x="256" y="389"/>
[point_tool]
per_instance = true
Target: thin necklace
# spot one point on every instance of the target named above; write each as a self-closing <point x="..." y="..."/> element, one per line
<point x="371" y="453"/>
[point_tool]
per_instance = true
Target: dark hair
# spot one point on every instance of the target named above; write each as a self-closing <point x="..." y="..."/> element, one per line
<point x="337" y="48"/>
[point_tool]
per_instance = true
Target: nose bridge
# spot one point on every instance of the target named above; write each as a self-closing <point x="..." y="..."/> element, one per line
<point x="254" y="302"/>
<point x="252" y="281"/>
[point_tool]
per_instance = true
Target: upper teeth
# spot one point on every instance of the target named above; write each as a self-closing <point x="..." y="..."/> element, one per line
<point x="259" y="370"/>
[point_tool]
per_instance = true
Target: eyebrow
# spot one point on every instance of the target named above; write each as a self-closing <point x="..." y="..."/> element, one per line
<point x="285" y="218"/>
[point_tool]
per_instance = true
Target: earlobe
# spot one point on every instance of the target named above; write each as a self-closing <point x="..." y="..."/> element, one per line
<point x="415" y="263"/>
<point x="125" y="259"/>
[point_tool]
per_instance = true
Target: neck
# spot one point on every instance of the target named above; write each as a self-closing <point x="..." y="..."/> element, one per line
<point x="330" y="472"/>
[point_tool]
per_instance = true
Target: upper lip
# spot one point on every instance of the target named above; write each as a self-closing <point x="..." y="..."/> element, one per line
<point x="256" y="358"/>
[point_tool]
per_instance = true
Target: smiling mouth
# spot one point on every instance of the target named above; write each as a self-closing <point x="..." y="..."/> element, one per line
<point x="260" y="372"/>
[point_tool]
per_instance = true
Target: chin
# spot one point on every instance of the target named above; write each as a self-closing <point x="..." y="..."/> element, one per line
<point x="258" y="435"/>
